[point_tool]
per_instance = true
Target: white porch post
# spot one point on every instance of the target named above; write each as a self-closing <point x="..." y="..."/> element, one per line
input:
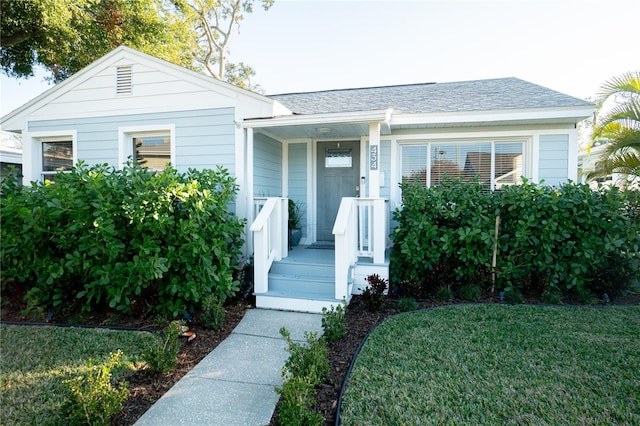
<point x="380" y="227"/>
<point x="249" y="189"/>
<point x="374" y="160"/>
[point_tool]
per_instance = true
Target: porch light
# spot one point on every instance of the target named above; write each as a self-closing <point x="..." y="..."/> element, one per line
<point x="324" y="130"/>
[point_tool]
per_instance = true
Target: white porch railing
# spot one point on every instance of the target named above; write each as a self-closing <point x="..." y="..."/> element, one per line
<point x="270" y="238"/>
<point x="360" y="230"/>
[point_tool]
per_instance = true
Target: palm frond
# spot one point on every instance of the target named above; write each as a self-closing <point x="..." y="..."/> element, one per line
<point x="628" y="82"/>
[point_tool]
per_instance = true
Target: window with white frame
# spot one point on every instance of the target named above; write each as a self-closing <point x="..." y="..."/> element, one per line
<point x="57" y="156"/>
<point x="493" y="163"/>
<point x="150" y="146"/>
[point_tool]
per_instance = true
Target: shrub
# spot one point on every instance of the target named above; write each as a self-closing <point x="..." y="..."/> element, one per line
<point x="123" y="239"/>
<point x="373" y="295"/>
<point x="334" y="325"/>
<point x="93" y="399"/>
<point x="565" y="239"/>
<point x="306" y="368"/>
<point x="308" y="361"/>
<point x="551" y="297"/>
<point x="213" y="313"/>
<point x="162" y="351"/>
<point x="444" y="293"/>
<point x="297" y="395"/>
<point x="406" y="304"/>
<point x="512" y="295"/>
<point x="469" y="292"/>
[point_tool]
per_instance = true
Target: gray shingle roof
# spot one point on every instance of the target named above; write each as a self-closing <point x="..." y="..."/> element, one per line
<point x="478" y="95"/>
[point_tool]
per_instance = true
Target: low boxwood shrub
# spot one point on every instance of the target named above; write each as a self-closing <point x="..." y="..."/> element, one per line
<point x="407" y="304"/>
<point x="127" y="240"/>
<point x="556" y="240"/>
<point x="162" y="351"/>
<point x="93" y="398"/>
<point x="213" y="313"/>
<point x="305" y="369"/>
<point x="334" y="325"/>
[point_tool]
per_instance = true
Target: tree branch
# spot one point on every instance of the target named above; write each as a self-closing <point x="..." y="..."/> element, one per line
<point x="13" y="39"/>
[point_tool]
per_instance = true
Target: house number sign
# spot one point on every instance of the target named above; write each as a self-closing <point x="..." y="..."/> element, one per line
<point x="373" y="157"/>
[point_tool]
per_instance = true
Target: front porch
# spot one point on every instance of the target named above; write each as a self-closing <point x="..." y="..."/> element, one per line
<point x="304" y="281"/>
<point x="308" y="278"/>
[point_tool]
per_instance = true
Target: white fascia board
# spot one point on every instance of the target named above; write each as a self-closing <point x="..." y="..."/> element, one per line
<point x="380" y="116"/>
<point x="574" y="114"/>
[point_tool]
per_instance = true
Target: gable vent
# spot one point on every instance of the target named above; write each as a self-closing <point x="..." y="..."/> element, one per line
<point x="124" y="84"/>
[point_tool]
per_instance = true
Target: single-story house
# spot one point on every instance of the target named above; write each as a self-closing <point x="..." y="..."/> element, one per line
<point x="340" y="154"/>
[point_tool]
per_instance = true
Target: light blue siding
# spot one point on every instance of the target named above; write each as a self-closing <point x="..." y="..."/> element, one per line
<point x="554" y="159"/>
<point x="298" y="177"/>
<point x="204" y="138"/>
<point x="267" y="166"/>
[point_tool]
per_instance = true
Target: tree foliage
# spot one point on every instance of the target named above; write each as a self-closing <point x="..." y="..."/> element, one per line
<point x="65" y="36"/>
<point x="214" y="22"/>
<point x="619" y="127"/>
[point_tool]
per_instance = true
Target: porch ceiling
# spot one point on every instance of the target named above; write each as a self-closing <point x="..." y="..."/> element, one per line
<point x="324" y="131"/>
<point x="322" y="126"/>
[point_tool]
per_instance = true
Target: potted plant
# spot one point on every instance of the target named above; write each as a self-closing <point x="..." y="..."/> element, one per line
<point x="295" y="223"/>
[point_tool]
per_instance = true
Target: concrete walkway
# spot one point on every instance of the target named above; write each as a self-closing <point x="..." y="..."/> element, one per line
<point x="234" y="384"/>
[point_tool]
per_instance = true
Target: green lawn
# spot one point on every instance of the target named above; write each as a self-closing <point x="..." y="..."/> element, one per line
<point x="35" y="362"/>
<point x="499" y="364"/>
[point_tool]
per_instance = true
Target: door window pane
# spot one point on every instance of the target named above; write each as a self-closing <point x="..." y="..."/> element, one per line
<point x="337" y="158"/>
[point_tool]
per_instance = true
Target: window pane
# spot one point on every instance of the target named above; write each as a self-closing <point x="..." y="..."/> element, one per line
<point x="508" y="164"/>
<point x="57" y="156"/>
<point x="414" y="164"/>
<point x="461" y="161"/>
<point x="152" y="152"/>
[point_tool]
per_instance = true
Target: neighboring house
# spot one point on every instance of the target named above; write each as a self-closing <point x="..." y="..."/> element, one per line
<point x="340" y="153"/>
<point x="10" y="154"/>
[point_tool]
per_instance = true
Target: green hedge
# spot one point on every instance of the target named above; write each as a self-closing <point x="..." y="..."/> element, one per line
<point x="551" y="240"/>
<point x="125" y="239"/>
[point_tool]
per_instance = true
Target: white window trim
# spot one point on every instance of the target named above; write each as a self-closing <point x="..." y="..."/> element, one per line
<point x="32" y="158"/>
<point x="126" y="135"/>
<point x="525" y="141"/>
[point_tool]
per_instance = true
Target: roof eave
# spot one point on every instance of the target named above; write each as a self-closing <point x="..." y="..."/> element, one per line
<point x="573" y="114"/>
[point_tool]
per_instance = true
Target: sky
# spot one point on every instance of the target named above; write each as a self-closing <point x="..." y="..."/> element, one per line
<point x="571" y="46"/>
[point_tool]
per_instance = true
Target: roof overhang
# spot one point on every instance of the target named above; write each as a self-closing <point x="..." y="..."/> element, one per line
<point x="329" y="125"/>
<point x="564" y="115"/>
